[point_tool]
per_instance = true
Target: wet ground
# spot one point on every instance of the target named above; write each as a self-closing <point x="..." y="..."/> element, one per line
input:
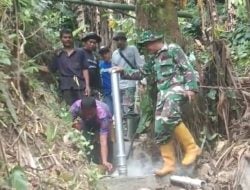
<point x="140" y="167"/>
<point x="136" y="183"/>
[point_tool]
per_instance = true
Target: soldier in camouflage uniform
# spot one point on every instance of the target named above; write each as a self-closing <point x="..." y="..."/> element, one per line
<point x="176" y="83"/>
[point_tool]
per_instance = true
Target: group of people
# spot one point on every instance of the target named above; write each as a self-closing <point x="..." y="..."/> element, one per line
<point x="85" y="85"/>
<point x="83" y="78"/>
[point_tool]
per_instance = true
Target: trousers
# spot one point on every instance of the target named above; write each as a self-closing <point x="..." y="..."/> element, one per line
<point x="168" y="113"/>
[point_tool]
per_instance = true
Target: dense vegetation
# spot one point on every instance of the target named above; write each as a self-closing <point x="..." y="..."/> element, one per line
<point x="33" y="120"/>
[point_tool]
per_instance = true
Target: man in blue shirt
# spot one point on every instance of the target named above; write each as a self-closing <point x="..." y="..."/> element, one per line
<point x="105" y="66"/>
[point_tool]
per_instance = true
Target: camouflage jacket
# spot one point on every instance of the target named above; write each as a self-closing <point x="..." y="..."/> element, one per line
<point x="170" y="66"/>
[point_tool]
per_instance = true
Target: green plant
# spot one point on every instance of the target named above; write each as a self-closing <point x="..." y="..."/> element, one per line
<point x="51" y="133"/>
<point x="79" y="140"/>
<point x="191" y="27"/>
<point x="4" y="55"/>
<point x="65" y="114"/>
<point x="241" y="11"/>
<point x="93" y="174"/>
<point x="128" y="26"/>
<point x="239" y="43"/>
<point x="30" y="67"/>
<point x="17" y="179"/>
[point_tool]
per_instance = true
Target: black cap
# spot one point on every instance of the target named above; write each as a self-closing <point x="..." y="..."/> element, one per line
<point x="92" y="35"/>
<point x="104" y="49"/>
<point x="120" y="35"/>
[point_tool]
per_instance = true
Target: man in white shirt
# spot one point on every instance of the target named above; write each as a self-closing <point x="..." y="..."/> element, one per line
<point x="126" y="56"/>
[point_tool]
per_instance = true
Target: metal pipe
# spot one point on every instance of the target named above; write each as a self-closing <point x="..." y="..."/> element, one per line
<point x="187" y="181"/>
<point x="121" y="156"/>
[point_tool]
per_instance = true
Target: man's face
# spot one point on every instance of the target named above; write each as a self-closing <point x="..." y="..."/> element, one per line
<point x="88" y="114"/>
<point x="152" y="47"/>
<point x="67" y="40"/>
<point x="121" y="43"/>
<point x="90" y="45"/>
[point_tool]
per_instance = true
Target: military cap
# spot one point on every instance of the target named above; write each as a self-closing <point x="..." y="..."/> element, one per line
<point x="104" y="49"/>
<point x="149" y="36"/>
<point x="92" y="35"/>
<point x="120" y="35"/>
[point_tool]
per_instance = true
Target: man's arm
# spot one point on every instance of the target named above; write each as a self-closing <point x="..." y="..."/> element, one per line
<point x="186" y="69"/>
<point x="113" y="58"/>
<point x="138" y="60"/>
<point x="104" y="131"/>
<point x="85" y="73"/>
<point x="131" y="74"/>
<point x="104" y="151"/>
<point x="75" y="110"/>
<point x="54" y="65"/>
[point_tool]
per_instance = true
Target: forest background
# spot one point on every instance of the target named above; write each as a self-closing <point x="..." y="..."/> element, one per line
<point x="33" y="121"/>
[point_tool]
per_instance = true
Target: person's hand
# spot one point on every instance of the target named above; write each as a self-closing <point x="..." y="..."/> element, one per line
<point x="43" y="68"/>
<point x="76" y="125"/>
<point x="87" y="91"/>
<point x="116" y="69"/>
<point x="108" y="166"/>
<point x="190" y="95"/>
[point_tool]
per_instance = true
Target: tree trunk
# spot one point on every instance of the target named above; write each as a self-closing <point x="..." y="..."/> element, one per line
<point x="105" y="33"/>
<point x="160" y="16"/>
<point x="248" y="9"/>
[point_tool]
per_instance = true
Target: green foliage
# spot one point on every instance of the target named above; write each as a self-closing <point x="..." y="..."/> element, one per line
<point x="212" y="94"/>
<point x="191" y="27"/>
<point x="30" y="67"/>
<point x="128" y="26"/>
<point x="94" y="175"/>
<point x="4" y="4"/>
<point x="51" y="133"/>
<point x="64" y="114"/>
<point x="79" y="140"/>
<point x="241" y="11"/>
<point x="239" y="42"/>
<point x="17" y="179"/>
<point x="231" y="94"/>
<point x="4" y="55"/>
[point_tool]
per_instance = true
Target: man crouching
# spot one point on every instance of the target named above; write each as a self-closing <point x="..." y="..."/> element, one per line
<point x="95" y="122"/>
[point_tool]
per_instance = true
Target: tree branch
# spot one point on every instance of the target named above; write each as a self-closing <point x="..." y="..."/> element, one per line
<point x="118" y="6"/>
<point x="104" y="4"/>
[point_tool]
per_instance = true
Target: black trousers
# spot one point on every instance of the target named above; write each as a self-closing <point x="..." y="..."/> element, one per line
<point x="71" y="95"/>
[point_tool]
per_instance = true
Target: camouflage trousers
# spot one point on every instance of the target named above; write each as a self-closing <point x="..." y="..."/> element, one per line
<point x="168" y="113"/>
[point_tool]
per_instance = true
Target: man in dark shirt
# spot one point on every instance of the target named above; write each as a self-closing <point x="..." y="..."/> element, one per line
<point x="90" y="40"/>
<point x="72" y="66"/>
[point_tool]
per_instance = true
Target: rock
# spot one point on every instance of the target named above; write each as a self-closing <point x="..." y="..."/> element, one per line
<point x="205" y="170"/>
<point x="225" y="177"/>
<point x="245" y="177"/>
<point x="220" y="145"/>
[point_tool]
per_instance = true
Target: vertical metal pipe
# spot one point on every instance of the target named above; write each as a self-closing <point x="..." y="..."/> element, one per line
<point x="121" y="156"/>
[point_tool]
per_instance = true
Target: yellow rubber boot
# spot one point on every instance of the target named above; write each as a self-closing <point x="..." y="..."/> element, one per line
<point x="191" y="149"/>
<point x="168" y="155"/>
